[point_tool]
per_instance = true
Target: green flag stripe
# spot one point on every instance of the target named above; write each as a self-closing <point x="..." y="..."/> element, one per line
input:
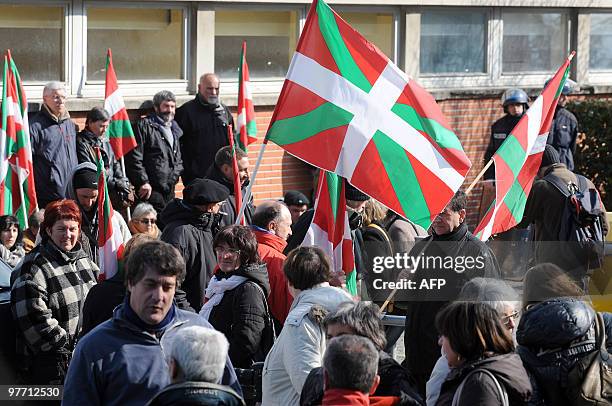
<point x="443" y="136"/>
<point x="299" y="128"/>
<point x="120" y="129"/>
<point x="402" y="176"/>
<point x="333" y="191"/>
<point x="513" y="154"/>
<point x="342" y="56"/>
<point x="514" y="201"/>
<point x="560" y="88"/>
<point x="251" y="127"/>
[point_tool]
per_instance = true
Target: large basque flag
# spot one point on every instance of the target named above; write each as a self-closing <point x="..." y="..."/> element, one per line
<point x="330" y="230"/>
<point x="110" y="240"/>
<point x="17" y="191"/>
<point x="518" y="159"/>
<point x="120" y="133"/>
<point x="247" y="129"/>
<point x="346" y="108"/>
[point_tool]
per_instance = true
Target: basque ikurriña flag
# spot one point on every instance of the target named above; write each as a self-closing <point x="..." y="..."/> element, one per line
<point x="346" y="108"/>
<point x="518" y="159"/>
<point x="246" y="127"/>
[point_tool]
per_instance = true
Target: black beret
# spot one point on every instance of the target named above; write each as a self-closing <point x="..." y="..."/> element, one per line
<point x="352" y="193"/>
<point x="205" y="191"/>
<point x="85" y="178"/>
<point x="550" y="156"/>
<point x="295" y="198"/>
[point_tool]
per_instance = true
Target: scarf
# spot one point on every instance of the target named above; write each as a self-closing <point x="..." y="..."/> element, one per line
<point x="133" y="318"/>
<point x="215" y="291"/>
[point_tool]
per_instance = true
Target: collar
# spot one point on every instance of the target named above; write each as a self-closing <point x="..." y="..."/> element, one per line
<point x="456" y="235"/>
<point x="273" y="241"/>
<point x="57" y="119"/>
<point x="342" y="397"/>
<point x="133" y="318"/>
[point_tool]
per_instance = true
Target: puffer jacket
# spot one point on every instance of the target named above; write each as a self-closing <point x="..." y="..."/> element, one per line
<point x="197" y="394"/>
<point x="191" y="232"/>
<point x="241" y="315"/>
<point x="552" y="336"/>
<point x="479" y="389"/>
<point x="300" y="346"/>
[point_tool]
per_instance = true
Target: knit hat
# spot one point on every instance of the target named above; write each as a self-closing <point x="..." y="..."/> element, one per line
<point x="352" y="193"/>
<point x="204" y="191"/>
<point x="295" y="198"/>
<point x="85" y="178"/>
<point x="550" y="156"/>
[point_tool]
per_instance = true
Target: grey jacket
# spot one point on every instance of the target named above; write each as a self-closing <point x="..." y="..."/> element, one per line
<point x="300" y="346"/>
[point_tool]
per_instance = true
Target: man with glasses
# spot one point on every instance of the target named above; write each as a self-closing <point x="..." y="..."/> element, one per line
<point x="191" y="224"/>
<point x="53" y="138"/>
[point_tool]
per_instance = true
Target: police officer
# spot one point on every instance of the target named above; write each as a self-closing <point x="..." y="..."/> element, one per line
<point x="515" y="105"/>
<point x="564" y="129"/>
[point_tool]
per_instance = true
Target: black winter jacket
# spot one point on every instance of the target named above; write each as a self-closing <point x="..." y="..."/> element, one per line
<point x="563" y="134"/>
<point x="229" y="206"/>
<point x="191" y="232"/>
<point x="394" y="382"/>
<point x="241" y="315"/>
<point x="86" y="141"/>
<point x="205" y="132"/>
<point x="153" y="160"/>
<point x="499" y="132"/>
<point x="196" y="394"/>
<point x="545" y="334"/>
<point x="53" y="153"/>
<point x="480" y="389"/>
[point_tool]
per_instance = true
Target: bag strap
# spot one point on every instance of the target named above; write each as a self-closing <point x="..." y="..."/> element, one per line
<point x="500" y="389"/>
<point x="268" y="314"/>
<point x="558" y="183"/>
<point x="381" y="230"/>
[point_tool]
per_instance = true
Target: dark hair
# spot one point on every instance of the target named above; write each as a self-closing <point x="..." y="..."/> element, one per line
<point x="306" y="267"/>
<point x="548" y="281"/>
<point x="363" y="318"/>
<point x="267" y="212"/>
<point x="162" y="96"/>
<point x="158" y="255"/>
<point x="97" y="114"/>
<point x="351" y="362"/>
<point x="241" y="238"/>
<point x="224" y="156"/>
<point x="458" y="202"/>
<point x="6" y="222"/>
<point x="64" y="209"/>
<point x="474" y="329"/>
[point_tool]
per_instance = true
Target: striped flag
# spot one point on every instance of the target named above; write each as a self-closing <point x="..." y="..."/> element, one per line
<point x="330" y="230"/>
<point x="17" y="190"/>
<point x="518" y="159"/>
<point x="346" y="108"/>
<point x="110" y="240"/>
<point x="247" y="129"/>
<point x="236" y="179"/>
<point x="120" y="133"/>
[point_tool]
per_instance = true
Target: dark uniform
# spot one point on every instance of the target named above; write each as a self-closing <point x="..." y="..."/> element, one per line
<point x="499" y="132"/>
<point x="563" y="134"/>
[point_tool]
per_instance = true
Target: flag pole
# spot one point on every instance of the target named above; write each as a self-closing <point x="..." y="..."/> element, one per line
<point x="480" y="175"/>
<point x="129" y="213"/>
<point x="247" y="194"/>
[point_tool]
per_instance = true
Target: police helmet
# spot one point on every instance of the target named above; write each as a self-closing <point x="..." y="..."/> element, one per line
<point x="514" y="96"/>
<point x="568" y="86"/>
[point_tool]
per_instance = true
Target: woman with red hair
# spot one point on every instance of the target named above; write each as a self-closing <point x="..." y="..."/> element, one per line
<point x="47" y="295"/>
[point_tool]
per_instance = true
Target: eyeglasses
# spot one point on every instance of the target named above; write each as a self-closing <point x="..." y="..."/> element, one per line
<point x="58" y="98"/>
<point x="231" y="251"/>
<point x="511" y="317"/>
<point x="147" y="221"/>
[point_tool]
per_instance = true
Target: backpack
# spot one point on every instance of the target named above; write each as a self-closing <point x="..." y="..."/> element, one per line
<point x="580" y="221"/>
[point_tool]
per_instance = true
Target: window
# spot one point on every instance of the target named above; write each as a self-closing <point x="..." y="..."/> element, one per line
<point x="375" y="27"/>
<point x="35" y="36"/>
<point x="533" y="42"/>
<point x="270" y="35"/>
<point x="147" y="44"/>
<point x="600" y="51"/>
<point x="453" y="42"/>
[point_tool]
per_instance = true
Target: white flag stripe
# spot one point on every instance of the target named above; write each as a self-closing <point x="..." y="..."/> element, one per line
<point x="334" y="88"/>
<point x="241" y="120"/>
<point x="114" y="103"/>
<point x="247" y="90"/>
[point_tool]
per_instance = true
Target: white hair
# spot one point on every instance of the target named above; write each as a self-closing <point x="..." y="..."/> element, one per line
<point x="200" y="353"/>
<point x="51" y="86"/>
<point x="142" y="209"/>
<point x="493" y="292"/>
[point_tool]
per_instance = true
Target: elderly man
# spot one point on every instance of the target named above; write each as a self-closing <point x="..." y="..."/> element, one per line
<point x="204" y="121"/>
<point x="122" y="362"/>
<point x="272" y="227"/>
<point x="53" y="138"/>
<point x="155" y="165"/>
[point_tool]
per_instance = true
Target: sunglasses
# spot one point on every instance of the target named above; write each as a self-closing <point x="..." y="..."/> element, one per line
<point x="147" y="221"/>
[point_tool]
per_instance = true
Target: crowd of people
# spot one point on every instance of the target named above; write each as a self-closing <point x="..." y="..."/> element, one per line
<point x="202" y="311"/>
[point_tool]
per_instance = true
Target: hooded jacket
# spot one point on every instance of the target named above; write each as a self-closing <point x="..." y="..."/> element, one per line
<point x="270" y="248"/>
<point x="229" y="206"/>
<point x="552" y="336"/>
<point x="241" y="315"/>
<point x="86" y="141"/>
<point x="191" y="232"/>
<point x="53" y="154"/>
<point x="480" y="389"/>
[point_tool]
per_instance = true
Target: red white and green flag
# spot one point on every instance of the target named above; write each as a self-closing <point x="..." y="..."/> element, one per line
<point x="17" y="190"/>
<point x="247" y="130"/>
<point x="236" y="176"/>
<point x="120" y="133"/>
<point x="346" y="108"/>
<point x="518" y="159"/>
<point x="330" y="230"/>
<point x="110" y="240"/>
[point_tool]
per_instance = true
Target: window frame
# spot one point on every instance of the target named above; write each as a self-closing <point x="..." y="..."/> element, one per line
<point x="598" y="76"/>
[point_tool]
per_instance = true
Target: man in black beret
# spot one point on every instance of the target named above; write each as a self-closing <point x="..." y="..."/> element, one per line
<point x="297" y="203"/>
<point x="191" y="224"/>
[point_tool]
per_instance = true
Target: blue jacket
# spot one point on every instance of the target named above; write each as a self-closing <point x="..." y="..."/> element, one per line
<point x="119" y="364"/>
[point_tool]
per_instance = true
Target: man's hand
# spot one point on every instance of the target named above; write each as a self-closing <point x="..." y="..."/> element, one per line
<point x="145" y="191"/>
